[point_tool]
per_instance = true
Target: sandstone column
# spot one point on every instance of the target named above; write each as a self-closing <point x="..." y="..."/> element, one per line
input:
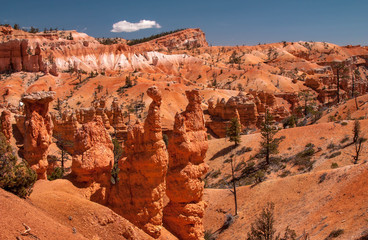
<point x="38" y="130"/>
<point x="5" y="124"/>
<point x="139" y="194"/>
<point x="187" y="150"/>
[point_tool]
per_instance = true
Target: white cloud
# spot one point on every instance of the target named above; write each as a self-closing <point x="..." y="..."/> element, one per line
<point x="125" y="26"/>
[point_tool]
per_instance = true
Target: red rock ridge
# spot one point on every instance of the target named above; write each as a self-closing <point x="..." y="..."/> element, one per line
<point x="185" y="39"/>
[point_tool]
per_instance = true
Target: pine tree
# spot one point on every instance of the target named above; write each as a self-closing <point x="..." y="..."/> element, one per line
<point x="233" y="131"/>
<point x="268" y="131"/>
<point x="263" y="227"/>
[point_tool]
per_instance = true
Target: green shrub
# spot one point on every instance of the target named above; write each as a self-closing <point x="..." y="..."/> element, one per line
<point x="344" y="140"/>
<point x="56" y="174"/>
<point x="290" y="121"/>
<point x="15" y="177"/>
<point x="322" y="178"/>
<point x="240" y="166"/>
<point x="309" y="145"/>
<point x="285" y="173"/>
<point x="216" y="173"/>
<point x="115" y="173"/>
<point x="331" y="146"/>
<point x="260" y="176"/>
<point x="244" y="150"/>
<point x="334" y="165"/>
<point x="208" y="235"/>
<point x="335" y="154"/>
<point x="335" y="234"/>
<point x="331" y="118"/>
<point x="303" y="159"/>
<point x="118" y="153"/>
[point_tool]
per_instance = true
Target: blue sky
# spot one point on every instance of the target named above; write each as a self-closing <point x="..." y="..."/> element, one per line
<point x="231" y="22"/>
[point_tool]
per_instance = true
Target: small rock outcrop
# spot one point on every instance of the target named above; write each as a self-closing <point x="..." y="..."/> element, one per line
<point x="37" y="130"/>
<point x="5" y="124"/>
<point x="251" y="108"/>
<point x="187" y="150"/>
<point x="139" y="195"/>
<point x="65" y="127"/>
<point x="93" y="155"/>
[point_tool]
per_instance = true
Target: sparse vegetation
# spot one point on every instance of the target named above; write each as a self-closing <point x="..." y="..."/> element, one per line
<point x="15" y="177"/>
<point x="358" y="141"/>
<point x="56" y="174"/>
<point x="334" y="165"/>
<point x="146" y="39"/>
<point x="233" y="131"/>
<point x="263" y="227"/>
<point x="118" y="152"/>
<point x="269" y="143"/>
<point x="335" y="234"/>
<point x="303" y="159"/>
<point x="335" y="154"/>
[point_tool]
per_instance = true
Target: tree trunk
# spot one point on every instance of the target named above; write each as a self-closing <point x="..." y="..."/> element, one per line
<point x="338" y="85"/>
<point x="62" y="159"/>
<point x="268" y="154"/>
<point x="234" y="186"/>
<point x="352" y="86"/>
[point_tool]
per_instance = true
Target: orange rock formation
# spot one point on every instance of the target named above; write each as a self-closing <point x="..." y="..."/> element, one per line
<point x="251" y="108"/>
<point x="138" y="196"/>
<point x="187" y="149"/>
<point x="38" y="130"/>
<point x="93" y="153"/>
<point x="5" y="124"/>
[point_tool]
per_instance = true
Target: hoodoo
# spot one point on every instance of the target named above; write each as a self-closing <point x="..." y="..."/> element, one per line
<point x="139" y="194"/>
<point x="38" y="130"/>
<point x="187" y="150"/>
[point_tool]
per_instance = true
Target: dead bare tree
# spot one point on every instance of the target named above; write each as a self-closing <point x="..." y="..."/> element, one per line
<point x="358" y="141"/>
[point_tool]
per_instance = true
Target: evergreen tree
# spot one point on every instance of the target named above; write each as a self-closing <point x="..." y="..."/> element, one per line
<point x="118" y="153"/>
<point x="233" y="131"/>
<point x="268" y="131"/>
<point x="263" y="228"/>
